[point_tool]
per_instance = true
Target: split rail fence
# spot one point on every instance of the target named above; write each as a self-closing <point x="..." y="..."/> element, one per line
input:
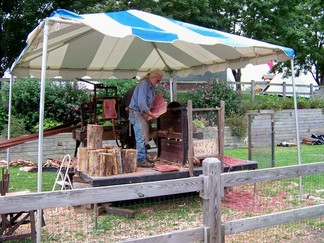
<point x="210" y="185"/>
<point x="283" y="89"/>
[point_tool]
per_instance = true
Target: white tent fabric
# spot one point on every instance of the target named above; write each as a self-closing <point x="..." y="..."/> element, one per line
<point x="128" y="43"/>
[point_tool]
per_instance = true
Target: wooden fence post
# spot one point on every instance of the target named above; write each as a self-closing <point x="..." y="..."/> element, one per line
<point x="190" y="137"/>
<point x="212" y="199"/>
<point x="252" y="90"/>
<point x="221" y="133"/>
<point x="311" y="90"/>
<point x="284" y="89"/>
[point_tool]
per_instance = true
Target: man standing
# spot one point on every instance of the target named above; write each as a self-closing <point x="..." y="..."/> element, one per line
<point x="139" y="112"/>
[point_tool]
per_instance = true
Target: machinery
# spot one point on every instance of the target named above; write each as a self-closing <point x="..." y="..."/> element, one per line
<point x="105" y="108"/>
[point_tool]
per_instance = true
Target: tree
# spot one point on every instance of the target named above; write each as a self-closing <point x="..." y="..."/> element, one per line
<point x="18" y="18"/>
<point x="296" y="24"/>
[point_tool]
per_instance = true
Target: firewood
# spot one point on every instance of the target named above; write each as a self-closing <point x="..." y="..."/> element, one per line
<point x="94" y="162"/>
<point x="118" y="158"/>
<point x="129" y="158"/>
<point x="94" y="136"/>
<point x="108" y="164"/>
<point x="82" y="159"/>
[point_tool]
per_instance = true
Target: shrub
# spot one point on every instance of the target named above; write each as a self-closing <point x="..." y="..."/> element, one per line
<point x="303" y="103"/>
<point x="123" y="85"/>
<point x="238" y="123"/>
<point x="62" y="100"/>
<point x="48" y="123"/>
<point x="316" y="102"/>
<point x="210" y="94"/>
<point x="3" y="118"/>
<point x="164" y="88"/>
<point x="17" y="128"/>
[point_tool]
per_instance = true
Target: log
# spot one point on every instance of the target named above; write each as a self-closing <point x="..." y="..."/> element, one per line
<point x="82" y="159"/>
<point x="94" y="136"/>
<point x="94" y="162"/>
<point x="116" y="151"/>
<point x="129" y="158"/>
<point x="108" y="164"/>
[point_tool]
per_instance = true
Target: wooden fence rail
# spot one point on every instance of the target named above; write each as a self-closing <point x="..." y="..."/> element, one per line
<point x="210" y="185"/>
<point x="308" y="91"/>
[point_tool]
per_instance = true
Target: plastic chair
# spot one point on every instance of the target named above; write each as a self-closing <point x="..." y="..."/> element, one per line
<point x="63" y="179"/>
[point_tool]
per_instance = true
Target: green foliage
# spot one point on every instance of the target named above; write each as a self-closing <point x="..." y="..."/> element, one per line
<point x="48" y="123"/>
<point x="210" y="94"/>
<point x="3" y="117"/>
<point x="302" y="29"/>
<point x="62" y="101"/>
<point x="199" y="123"/>
<point x="18" y="18"/>
<point x="238" y="123"/>
<point x="183" y="98"/>
<point x="17" y="128"/>
<point x="25" y="101"/>
<point x="123" y="85"/>
<point x="23" y="181"/>
<point x="164" y="88"/>
<point x="274" y="102"/>
<point x="316" y="102"/>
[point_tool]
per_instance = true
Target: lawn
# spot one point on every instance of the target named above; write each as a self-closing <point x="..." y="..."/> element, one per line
<point x="284" y="156"/>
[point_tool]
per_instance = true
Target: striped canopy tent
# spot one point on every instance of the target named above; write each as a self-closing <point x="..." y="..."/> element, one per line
<point x="128" y="43"/>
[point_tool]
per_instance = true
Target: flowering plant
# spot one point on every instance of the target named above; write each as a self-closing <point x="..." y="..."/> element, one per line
<point x="211" y="93"/>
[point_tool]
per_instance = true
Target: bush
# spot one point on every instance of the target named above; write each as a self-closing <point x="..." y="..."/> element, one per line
<point x="3" y="117"/>
<point x="48" y="123"/>
<point x="274" y="102"/>
<point x="17" y="128"/>
<point x="238" y="123"/>
<point x="211" y="93"/>
<point x="164" y="88"/>
<point x="62" y="100"/>
<point x="123" y="85"/>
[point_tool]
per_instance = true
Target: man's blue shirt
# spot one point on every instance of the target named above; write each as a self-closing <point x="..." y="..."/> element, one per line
<point x="143" y="96"/>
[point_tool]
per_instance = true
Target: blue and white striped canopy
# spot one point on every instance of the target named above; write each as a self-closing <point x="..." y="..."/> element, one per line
<point x="128" y="43"/>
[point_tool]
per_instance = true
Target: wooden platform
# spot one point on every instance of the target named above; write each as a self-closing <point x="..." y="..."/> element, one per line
<point x="146" y="175"/>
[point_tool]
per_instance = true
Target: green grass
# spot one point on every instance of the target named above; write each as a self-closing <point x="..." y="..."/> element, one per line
<point x="284" y="156"/>
<point x="287" y="156"/>
<point x="27" y="181"/>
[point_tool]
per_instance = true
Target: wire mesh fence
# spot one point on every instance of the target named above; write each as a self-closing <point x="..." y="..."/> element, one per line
<point x="125" y="220"/>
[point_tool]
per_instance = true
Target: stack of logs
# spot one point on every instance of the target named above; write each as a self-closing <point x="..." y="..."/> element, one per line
<point x="96" y="160"/>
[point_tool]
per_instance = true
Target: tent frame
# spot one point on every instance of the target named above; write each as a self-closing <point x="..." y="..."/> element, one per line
<point x="41" y="109"/>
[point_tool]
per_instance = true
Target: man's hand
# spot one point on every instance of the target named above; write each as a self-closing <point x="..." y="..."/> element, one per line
<point x="151" y="115"/>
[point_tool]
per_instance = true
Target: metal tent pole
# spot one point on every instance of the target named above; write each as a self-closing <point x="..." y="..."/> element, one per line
<point x="9" y="118"/>
<point x="41" y="126"/>
<point x="297" y="127"/>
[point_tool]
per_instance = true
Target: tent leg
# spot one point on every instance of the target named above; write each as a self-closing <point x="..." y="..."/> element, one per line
<point x="297" y="126"/>
<point x="9" y="118"/>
